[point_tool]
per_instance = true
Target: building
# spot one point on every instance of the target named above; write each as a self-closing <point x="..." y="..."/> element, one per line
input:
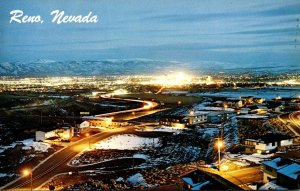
<point x="194" y="180"/>
<point x="218" y="117"/>
<point x="243" y="110"/>
<point x="62" y="134"/>
<point x="258" y="109"/>
<point x="270" y="168"/>
<point x="259" y="100"/>
<point x="268" y="143"/>
<point x="84" y="125"/>
<point x="275" y="106"/>
<point x="289" y="176"/>
<point x="182" y="121"/>
<point x="234" y="102"/>
<point x="197" y="117"/>
<point x="248" y="99"/>
<point x="284" y="172"/>
<point x="174" y="121"/>
<point x="119" y="123"/>
<point x="98" y="121"/>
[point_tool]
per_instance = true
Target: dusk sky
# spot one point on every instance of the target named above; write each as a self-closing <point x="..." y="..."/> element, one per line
<point x="262" y="33"/>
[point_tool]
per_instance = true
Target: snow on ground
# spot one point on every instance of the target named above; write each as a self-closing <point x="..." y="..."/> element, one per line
<point x="201" y="107"/>
<point x="28" y="144"/>
<point x="272" y="186"/>
<point x="138" y="180"/>
<point x="3" y="148"/>
<point x="267" y="93"/>
<point x="5" y="175"/>
<point x="126" y="142"/>
<point x="163" y="129"/>
<point x="243" y="158"/>
<point x="109" y="105"/>
<point x="37" y="146"/>
<point x="141" y="156"/>
<point x="210" y="131"/>
<point x="253" y="187"/>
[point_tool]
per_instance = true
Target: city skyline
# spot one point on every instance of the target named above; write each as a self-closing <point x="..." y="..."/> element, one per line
<point x="257" y="33"/>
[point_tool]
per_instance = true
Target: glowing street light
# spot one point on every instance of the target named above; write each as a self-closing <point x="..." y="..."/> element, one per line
<point x="87" y="135"/>
<point x="219" y="145"/>
<point x="27" y="172"/>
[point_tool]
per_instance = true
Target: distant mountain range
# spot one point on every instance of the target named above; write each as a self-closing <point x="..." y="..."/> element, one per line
<point x="45" y="67"/>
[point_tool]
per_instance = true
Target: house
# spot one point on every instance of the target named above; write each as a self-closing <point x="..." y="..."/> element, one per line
<point x="84" y="125"/>
<point x="282" y="171"/>
<point x="243" y="110"/>
<point x="218" y="117"/>
<point x="228" y="102"/>
<point x="182" y="121"/>
<point x="234" y="102"/>
<point x="248" y="99"/>
<point x="196" y="117"/>
<point x="259" y="100"/>
<point x="98" y="121"/>
<point x="289" y="176"/>
<point x="194" y="180"/>
<point x="270" y="168"/>
<point x="258" y="109"/>
<point x="268" y="143"/>
<point x="119" y="123"/>
<point x="275" y="106"/>
<point x="174" y="121"/>
<point x="62" y="134"/>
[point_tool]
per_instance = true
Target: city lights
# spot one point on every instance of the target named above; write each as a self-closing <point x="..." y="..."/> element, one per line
<point x="173" y="79"/>
<point x="120" y="92"/>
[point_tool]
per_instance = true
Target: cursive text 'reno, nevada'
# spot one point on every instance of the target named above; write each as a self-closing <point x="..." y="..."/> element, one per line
<point x="58" y="17"/>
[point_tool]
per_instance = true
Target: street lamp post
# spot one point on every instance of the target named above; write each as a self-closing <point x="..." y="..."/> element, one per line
<point x="26" y="172"/>
<point x="219" y="145"/>
<point x="89" y="140"/>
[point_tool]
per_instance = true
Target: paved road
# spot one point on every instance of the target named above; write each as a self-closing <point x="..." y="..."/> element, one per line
<point x="147" y="105"/>
<point x="244" y="176"/>
<point x="292" y="121"/>
<point x="295" y="119"/>
<point x="239" y="177"/>
<point x="57" y="163"/>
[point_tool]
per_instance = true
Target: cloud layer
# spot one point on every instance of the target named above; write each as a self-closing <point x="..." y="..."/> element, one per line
<point x="238" y="32"/>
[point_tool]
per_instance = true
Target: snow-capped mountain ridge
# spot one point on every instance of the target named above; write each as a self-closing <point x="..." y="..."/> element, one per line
<point x="46" y="67"/>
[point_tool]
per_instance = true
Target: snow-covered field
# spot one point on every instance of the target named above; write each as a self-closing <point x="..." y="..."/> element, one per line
<point x="272" y="186"/>
<point x="28" y="144"/>
<point x="162" y="129"/>
<point x="37" y="146"/>
<point x="126" y="142"/>
<point x="267" y="93"/>
<point x="138" y="180"/>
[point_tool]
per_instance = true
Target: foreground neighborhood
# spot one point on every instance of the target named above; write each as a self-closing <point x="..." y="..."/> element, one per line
<point x="148" y="142"/>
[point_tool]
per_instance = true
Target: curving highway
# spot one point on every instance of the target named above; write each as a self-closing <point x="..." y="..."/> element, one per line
<point x="292" y="120"/>
<point x="146" y="106"/>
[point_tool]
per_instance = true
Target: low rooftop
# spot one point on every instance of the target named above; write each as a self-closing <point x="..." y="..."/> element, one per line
<point x="277" y="163"/>
<point x="252" y="116"/>
<point x="292" y="171"/>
